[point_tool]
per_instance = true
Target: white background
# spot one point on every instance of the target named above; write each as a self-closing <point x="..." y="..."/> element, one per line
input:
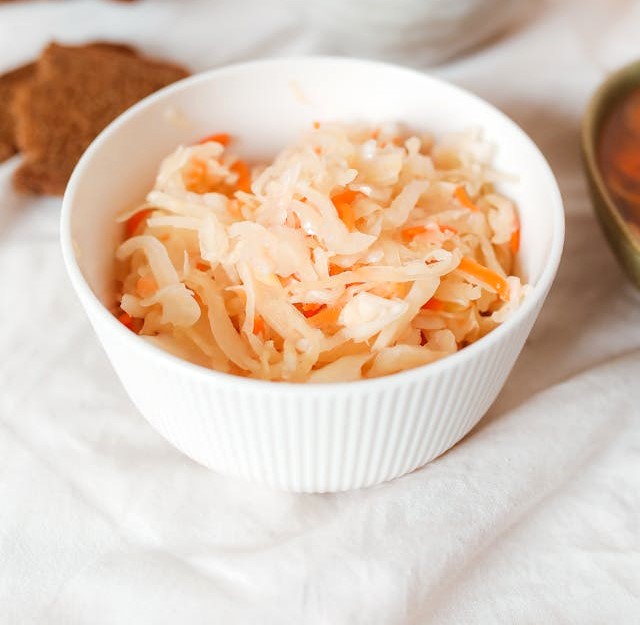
<point x="533" y="518"/>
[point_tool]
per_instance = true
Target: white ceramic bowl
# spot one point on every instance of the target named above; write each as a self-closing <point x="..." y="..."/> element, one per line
<point x="416" y="32"/>
<point x="301" y="437"/>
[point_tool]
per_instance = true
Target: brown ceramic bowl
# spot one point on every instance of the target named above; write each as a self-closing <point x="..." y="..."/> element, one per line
<point x="624" y="242"/>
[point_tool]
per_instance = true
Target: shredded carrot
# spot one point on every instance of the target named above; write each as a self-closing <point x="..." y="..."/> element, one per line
<point x="258" y="325"/>
<point x="463" y="197"/>
<point x="514" y="243"/>
<point x="445" y="229"/>
<point x="408" y="234"/>
<point x="126" y="320"/>
<point x="334" y="270"/>
<point x="327" y="316"/>
<point x="346" y="214"/>
<point x="433" y="304"/>
<point x="222" y="138"/>
<point x="201" y="266"/>
<point x="292" y="220"/>
<point x="375" y="133"/>
<point x="485" y="275"/>
<point x="244" y="176"/>
<point x="135" y="220"/>
<point x="398" y="289"/>
<point x="346" y="196"/>
<point x="309" y="310"/>
<point x="195" y="176"/>
<point x="316" y="125"/>
<point x="397" y="141"/>
<point x="343" y="201"/>
<point x="317" y="150"/>
<point x="146" y="286"/>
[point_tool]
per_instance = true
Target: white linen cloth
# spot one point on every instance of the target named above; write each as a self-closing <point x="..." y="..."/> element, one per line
<point x="533" y="518"/>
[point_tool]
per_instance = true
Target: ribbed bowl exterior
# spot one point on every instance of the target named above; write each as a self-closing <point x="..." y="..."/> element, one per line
<point x="316" y="441"/>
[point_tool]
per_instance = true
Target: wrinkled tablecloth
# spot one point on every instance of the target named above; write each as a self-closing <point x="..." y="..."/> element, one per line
<point x="533" y="518"/>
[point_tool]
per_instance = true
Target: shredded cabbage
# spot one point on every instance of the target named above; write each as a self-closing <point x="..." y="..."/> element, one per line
<point x="358" y="252"/>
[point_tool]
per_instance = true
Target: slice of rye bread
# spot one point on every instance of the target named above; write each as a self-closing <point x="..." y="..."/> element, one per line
<point x="75" y="93"/>
<point x="9" y="83"/>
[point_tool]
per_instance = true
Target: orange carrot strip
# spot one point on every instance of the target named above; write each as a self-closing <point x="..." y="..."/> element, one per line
<point x="312" y="308"/>
<point x="292" y="220"/>
<point x="346" y="214"/>
<point x="327" y="316"/>
<point x="195" y="176"/>
<point x="258" y="325"/>
<point x="346" y="196"/>
<point x="309" y="310"/>
<point x="485" y="275"/>
<point x="514" y="243"/>
<point x="433" y="304"/>
<point x="146" y="286"/>
<point x="445" y="229"/>
<point x="222" y="138"/>
<point x="126" y="320"/>
<point x="201" y="266"/>
<point x="244" y="176"/>
<point x="398" y="289"/>
<point x="408" y="234"/>
<point x="135" y="220"/>
<point x="316" y="125"/>
<point x="343" y="202"/>
<point x="463" y="197"/>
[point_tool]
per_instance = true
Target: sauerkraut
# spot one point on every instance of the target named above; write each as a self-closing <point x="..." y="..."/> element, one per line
<point x="358" y="252"/>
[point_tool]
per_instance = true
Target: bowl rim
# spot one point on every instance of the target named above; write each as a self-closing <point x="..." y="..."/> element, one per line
<point x="596" y="111"/>
<point x="96" y="308"/>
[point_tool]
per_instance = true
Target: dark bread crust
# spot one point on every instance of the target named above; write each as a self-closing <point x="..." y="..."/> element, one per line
<point x="75" y="93"/>
<point x="9" y="83"/>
